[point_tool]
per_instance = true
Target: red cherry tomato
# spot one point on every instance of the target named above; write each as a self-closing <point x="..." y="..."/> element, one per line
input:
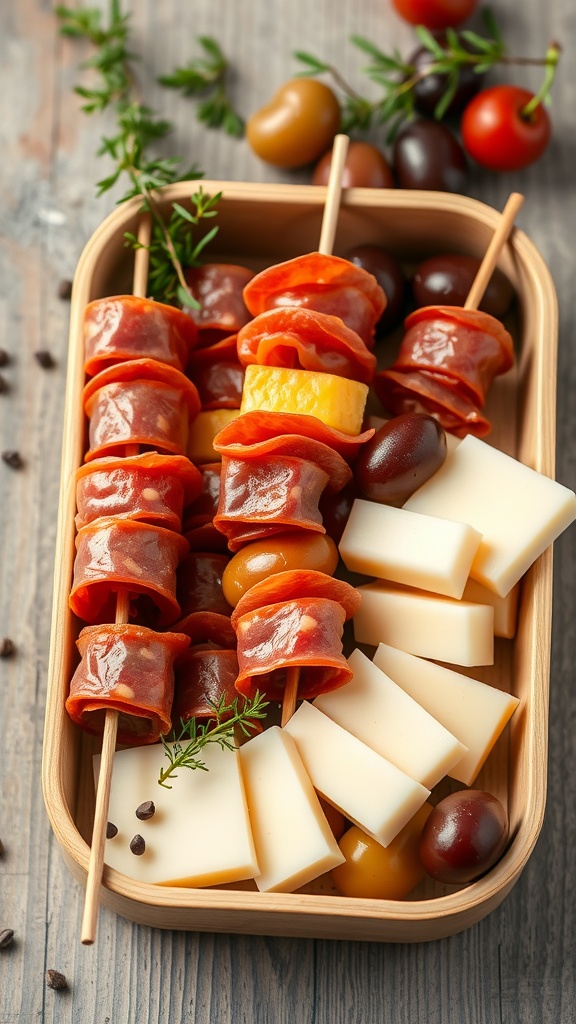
<point x="434" y="14"/>
<point x="496" y="132"/>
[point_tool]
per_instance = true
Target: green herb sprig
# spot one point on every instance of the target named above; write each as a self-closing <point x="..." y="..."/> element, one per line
<point x="398" y="79"/>
<point x="220" y="729"/>
<point x="208" y="77"/>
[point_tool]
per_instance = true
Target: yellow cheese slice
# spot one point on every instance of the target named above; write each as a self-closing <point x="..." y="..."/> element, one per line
<point x="336" y="401"/>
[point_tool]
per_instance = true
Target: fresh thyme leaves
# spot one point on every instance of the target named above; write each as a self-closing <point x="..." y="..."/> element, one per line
<point x="220" y="729"/>
<point x="208" y="77"/>
<point x="111" y="58"/>
<point x="398" y="78"/>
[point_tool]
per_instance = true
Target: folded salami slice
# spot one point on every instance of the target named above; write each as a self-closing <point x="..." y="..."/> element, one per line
<point x="324" y="283"/>
<point x="115" y="554"/>
<point x="218" y="288"/>
<point x="129" y="669"/>
<point x="199" y="583"/>
<point x="296" y="446"/>
<point x="203" y="678"/>
<point x="151" y="487"/>
<point x="300" y="338"/>
<point x="141" y="402"/>
<point x="124" y="327"/>
<point x="210" y="630"/>
<point x="447" y="361"/>
<point x="219" y="384"/>
<point x="261" y="425"/>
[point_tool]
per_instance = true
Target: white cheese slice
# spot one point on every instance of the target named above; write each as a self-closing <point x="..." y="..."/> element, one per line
<point x="429" y="625"/>
<point x="379" y="713"/>
<point x="367" y="788"/>
<point x="294" y="842"/>
<point x="518" y="511"/>
<point x="505" y="608"/>
<point x="406" y="547"/>
<point x="471" y="709"/>
<point x="199" y="834"/>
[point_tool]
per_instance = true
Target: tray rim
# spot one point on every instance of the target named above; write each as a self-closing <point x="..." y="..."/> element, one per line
<point x="197" y="909"/>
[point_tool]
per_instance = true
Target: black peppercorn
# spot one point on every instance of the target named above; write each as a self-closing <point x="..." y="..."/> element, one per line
<point x="146" y="810"/>
<point x="64" y="289"/>
<point x="56" y="980"/>
<point x="6" y="938"/>
<point x="3" y="357"/>
<point x="111" y="830"/>
<point x="7" y="647"/>
<point x="45" y="359"/>
<point x="12" y="458"/>
<point x="137" y="846"/>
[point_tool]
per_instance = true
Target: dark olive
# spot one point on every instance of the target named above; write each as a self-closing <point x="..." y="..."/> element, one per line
<point x="400" y="457"/>
<point x="463" y="837"/>
<point x="430" y="88"/>
<point x="365" y="166"/>
<point x="427" y="155"/>
<point x="335" y="509"/>
<point x="446" y="280"/>
<point x="388" y="272"/>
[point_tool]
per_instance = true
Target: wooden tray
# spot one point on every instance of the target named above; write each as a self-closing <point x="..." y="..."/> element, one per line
<point x="261" y="225"/>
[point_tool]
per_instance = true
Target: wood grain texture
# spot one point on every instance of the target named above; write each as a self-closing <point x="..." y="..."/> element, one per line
<point x="518" y="964"/>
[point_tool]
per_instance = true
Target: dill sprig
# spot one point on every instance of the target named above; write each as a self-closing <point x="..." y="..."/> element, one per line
<point x="398" y="79"/>
<point x="208" y="77"/>
<point x="219" y="729"/>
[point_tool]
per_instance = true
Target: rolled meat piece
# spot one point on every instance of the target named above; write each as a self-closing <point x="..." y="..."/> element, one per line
<point x="293" y="619"/>
<point x="115" y="554"/>
<point x="151" y="487"/>
<point x="296" y="337"/>
<point x="203" y="678"/>
<point x="141" y="402"/>
<point x="296" y="446"/>
<point x="262" y="425"/>
<point x="210" y="630"/>
<point x="219" y="384"/>
<point x="123" y="327"/>
<point x="448" y="358"/>
<point x="327" y="284"/>
<point x="199" y="583"/>
<point x="218" y="288"/>
<point x="127" y="668"/>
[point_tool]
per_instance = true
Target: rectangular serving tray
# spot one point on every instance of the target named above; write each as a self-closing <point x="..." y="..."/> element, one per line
<point x="260" y="225"/>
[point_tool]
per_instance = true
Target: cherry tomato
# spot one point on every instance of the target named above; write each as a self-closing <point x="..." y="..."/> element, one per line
<point x="464" y="836"/>
<point x="372" y="871"/>
<point x="435" y="14"/>
<point x="297" y="126"/>
<point x="497" y="133"/>
<point x="365" y="167"/>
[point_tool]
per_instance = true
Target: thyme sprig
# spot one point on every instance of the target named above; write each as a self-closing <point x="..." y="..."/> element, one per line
<point x="208" y="77"/>
<point x="398" y="78"/>
<point x="220" y="729"/>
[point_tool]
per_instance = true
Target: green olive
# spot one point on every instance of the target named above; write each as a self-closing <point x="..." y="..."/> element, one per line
<point x="297" y="126"/>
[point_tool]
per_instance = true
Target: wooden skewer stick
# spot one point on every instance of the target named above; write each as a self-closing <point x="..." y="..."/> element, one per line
<point x="96" y="862"/>
<point x="490" y="259"/>
<point x="327" y="235"/>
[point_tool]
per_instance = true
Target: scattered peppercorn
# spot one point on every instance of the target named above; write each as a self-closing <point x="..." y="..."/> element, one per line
<point x="12" y="458"/>
<point x="3" y="357"/>
<point x="7" y="649"/>
<point x="6" y="938"/>
<point x="111" y="830"/>
<point x="45" y="359"/>
<point x="1" y="848"/>
<point x="3" y="385"/>
<point x="56" y="980"/>
<point x="137" y="846"/>
<point x="64" y="289"/>
<point x="146" y="810"/>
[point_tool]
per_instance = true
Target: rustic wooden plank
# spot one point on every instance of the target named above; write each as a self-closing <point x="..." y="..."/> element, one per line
<point x="515" y="965"/>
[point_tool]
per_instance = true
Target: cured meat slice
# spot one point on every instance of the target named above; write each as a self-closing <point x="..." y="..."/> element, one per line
<point x="280" y="492"/>
<point x="129" y="669"/>
<point x="328" y="284"/>
<point x="122" y="327"/>
<point x="124" y="554"/>
<point x="208" y="629"/>
<point x="218" y="288"/>
<point x="261" y="425"/>
<point x="139" y="402"/>
<point x="204" y="677"/>
<point x="199" y="583"/>
<point x="447" y="361"/>
<point x="294" y="583"/>
<point x="151" y="487"/>
<point x="219" y="384"/>
<point x="296" y="337"/>
<point x="296" y="446"/>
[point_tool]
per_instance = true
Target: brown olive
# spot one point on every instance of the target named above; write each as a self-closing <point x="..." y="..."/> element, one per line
<point x="263" y="558"/>
<point x="365" y="167"/>
<point x="388" y="272"/>
<point x="427" y="155"/>
<point x="400" y="457"/>
<point x="430" y="87"/>
<point x="447" y="279"/>
<point x="463" y="837"/>
<point x="297" y="126"/>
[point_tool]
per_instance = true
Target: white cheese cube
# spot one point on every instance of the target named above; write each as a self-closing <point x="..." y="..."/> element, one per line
<point x="429" y="625"/>
<point x="294" y="842"/>
<point x="518" y="511"/>
<point x="471" y="709"/>
<point x="406" y="547"/>
<point x="379" y="713"/>
<point x="368" y="789"/>
<point x="505" y="608"/>
<point x="200" y="832"/>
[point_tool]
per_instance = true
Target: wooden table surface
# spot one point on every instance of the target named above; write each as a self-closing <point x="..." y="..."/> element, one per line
<point x="517" y="964"/>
